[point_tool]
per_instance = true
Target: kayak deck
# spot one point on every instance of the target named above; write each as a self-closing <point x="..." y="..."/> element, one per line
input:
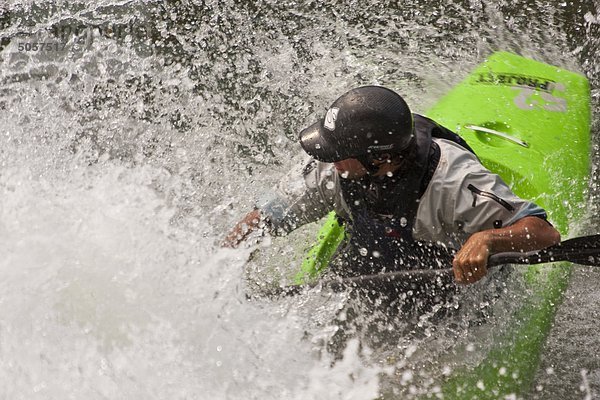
<point x="545" y="113"/>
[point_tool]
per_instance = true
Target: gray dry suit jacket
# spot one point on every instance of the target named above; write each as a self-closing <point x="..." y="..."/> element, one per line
<point x="462" y="198"/>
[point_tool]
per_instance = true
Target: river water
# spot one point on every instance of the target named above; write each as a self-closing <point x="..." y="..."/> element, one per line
<point x="141" y="131"/>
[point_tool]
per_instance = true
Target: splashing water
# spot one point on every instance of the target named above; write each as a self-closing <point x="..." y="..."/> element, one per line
<point x="140" y="134"/>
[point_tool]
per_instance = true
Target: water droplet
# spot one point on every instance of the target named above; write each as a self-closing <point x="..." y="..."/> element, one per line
<point x="345" y="174"/>
<point x="363" y="251"/>
<point x="376" y="254"/>
<point x="410" y="350"/>
<point x="317" y="146"/>
<point x="407" y="376"/>
<point x="330" y="185"/>
<point x="403" y="222"/>
<point x="389" y="174"/>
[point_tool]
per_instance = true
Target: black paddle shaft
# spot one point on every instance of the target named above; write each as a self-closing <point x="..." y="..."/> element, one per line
<point x="583" y="250"/>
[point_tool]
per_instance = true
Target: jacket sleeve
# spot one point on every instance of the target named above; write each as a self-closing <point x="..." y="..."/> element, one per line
<point x="303" y="196"/>
<point x="484" y="202"/>
<point x="464" y="197"/>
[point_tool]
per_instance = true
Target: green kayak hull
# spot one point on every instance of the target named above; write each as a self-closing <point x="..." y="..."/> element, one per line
<point x="529" y="122"/>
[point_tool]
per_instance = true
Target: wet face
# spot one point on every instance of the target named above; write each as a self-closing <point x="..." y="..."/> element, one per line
<point x="350" y="168"/>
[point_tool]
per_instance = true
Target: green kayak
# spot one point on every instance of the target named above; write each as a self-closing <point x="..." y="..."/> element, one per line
<point x="528" y="122"/>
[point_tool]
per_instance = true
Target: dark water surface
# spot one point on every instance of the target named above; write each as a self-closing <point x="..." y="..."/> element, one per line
<point x="132" y="136"/>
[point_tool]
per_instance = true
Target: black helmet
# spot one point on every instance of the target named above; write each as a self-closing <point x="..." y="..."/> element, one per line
<point x="363" y="122"/>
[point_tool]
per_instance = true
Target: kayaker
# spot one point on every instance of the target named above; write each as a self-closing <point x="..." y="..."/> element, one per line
<point x="405" y="187"/>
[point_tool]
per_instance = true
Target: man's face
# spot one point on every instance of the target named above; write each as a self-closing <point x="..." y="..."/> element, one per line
<point x="350" y="168"/>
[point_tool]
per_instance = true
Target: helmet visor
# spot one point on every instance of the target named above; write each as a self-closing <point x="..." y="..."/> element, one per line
<point x="314" y="142"/>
